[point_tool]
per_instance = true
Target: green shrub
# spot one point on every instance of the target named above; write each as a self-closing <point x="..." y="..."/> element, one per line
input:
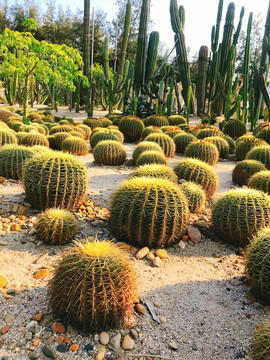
<point x="182" y="141"/>
<point x="260" y="181"/>
<point x="151" y="130"/>
<point x="195" y="196"/>
<point x="155" y="171"/>
<point x="260" y="153"/>
<point x="203" y="150"/>
<point x="157" y="120"/>
<point x="75" y="145"/>
<point x="132" y="128"/>
<point x="151" y="157"/>
<point x="13" y="159"/>
<point x="101" y="136"/>
<point x="145" y="146"/>
<point x="7" y="136"/>
<point x="109" y="152"/>
<point x="165" y="142"/>
<point x="221" y="144"/>
<point x="245" y="169"/>
<point x="35" y="139"/>
<point x="244" y="146"/>
<point x="176" y="120"/>
<point x="234" y="128"/>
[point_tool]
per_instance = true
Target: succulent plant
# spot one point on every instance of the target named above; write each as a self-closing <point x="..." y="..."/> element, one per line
<point x="199" y="172"/>
<point x="7" y="136"/>
<point x="145" y="146"/>
<point x="182" y="141"/>
<point x="260" y="153"/>
<point x="94" y="287"/>
<point x="157" y="120"/>
<point x="203" y="150"/>
<point x="75" y="145"/>
<point x="195" y="196"/>
<point x="151" y="157"/>
<point x="259" y="127"/>
<point x="132" y="128"/>
<point x="34" y="116"/>
<point x="155" y="171"/>
<point x="261" y="345"/>
<point x="28" y="128"/>
<point x="64" y="122"/>
<point x="109" y="152"/>
<point x="244" y="170"/>
<point x="92" y="123"/>
<point x="244" y="138"/>
<point x="105" y="122"/>
<point x="86" y="129"/>
<point x="60" y="128"/>
<point x="13" y="159"/>
<point x="245" y="145"/>
<point x="264" y="134"/>
<point x="151" y="130"/>
<point x="51" y="139"/>
<point x="38" y="149"/>
<point x="221" y="144"/>
<point x="176" y="120"/>
<point x="76" y="133"/>
<point x="149" y="212"/>
<point x="173" y="132"/>
<point x="118" y="134"/>
<point x="239" y="214"/>
<point x="209" y="131"/>
<point x="70" y="120"/>
<point x="165" y="142"/>
<point x="260" y="181"/>
<point x="56" y="227"/>
<point x="20" y="136"/>
<point x="101" y="136"/>
<point x="235" y="128"/>
<point x="35" y="139"/>
<point x="55" y="179"/>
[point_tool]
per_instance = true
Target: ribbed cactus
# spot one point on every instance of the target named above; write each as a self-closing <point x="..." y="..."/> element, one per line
<point x="132" y="128"/>
<point x="56" y="227"/>
<point x="35" y="139"/>
<point x="118" y="133"/>
<point x="75" y="145"/>
<point x="165" y="142"/>
<point x="92" y="123"/>
<point x="94" y="287"/>
<point x="239" y="214"/>
<point x="59" y="138"/>
<point x="260" y="153"/>
<point x="155" y="171"/>
<point x="76" y="133"/>
<point x="156" y="120"/>
<point x="152" y="56"/>
<point x="7" y="136"/>
<point x="60" y="128"/>
<point x="221" y="144"/>
<point x="151" y="130"/>
<point x="85" y="129"/>
<point x="235" y="128"/>
<point x="151" y="157"/>
<point x="106" y="57"/>
<point x="149" y="212"/>
<point x="244" y="146"/>
<point x="203" y="150"/>
<point x="264" y="134"/>
<point x="55" y="179"/>
<point x="260" y="127"/>
<point x="109" y="152"/>
<point x="176" y="120"/>
<point x="201" y="80"/>
<point x="105" y="122"/>
<point x="13" y="159"/>
<point x="244" y="170"/>
<point x="145" y="146"/>
<point x="125" y="37"/>
<point x="209" y="131"/>
<point x="20" y="136"/>
<point x="260" y="181"/>
<point x="199" y="172"/>
<point x="195" y="196"/>
<point x="261" y="343"/>
<point x="172" y="132"/>
<point x="182" y="141"/>
<point x="100" y="136"/>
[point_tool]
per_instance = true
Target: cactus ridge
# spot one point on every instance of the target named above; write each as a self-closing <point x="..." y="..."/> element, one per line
<point x="182" y="141"/>
<point x="235" y="128"/>
<point x="101" y="136"/>
<point x="145" y="146"/>
<point x="203" y="150"/>
<point x="132" y="128"/>
<point x="109" y="152"/>
<point x="245" y="169"/>
<point x="13" y="159"/>
<point x="221" y="144"/>
<point x="35" y="139"/>
<point x="7" y="136"/>
<point x="151" y="130"/>
<point x="165" y="142"/>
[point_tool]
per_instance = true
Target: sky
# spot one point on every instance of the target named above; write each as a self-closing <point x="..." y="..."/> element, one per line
<point x="200" y="17"/>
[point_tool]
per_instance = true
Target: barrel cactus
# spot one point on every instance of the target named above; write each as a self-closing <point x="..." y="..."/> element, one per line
<point x="221" y="144"/>
<point x="35" y="139"/>
<point x="149" y="212"/>
<point x="203" y="150"/>
<point x="165" y="142"/>
<point x="244" y="146"/>
<point x="209" y="131"/>
<point x="199" y="172"/>
<point x="195" y="196"/>
<point x="174" y="132"/>
<point x="118" y="133"/>
<point x="86" y="129"/>
<point x="13" y="159"/>
<point x="77" y="134"/>
<point x="64" y="122"/>
<point x="94" y="287"/>
<point x="261" y="126"/>
<point x="261" y="343"/>
<point x="244" y="170"/>
<point x="264" y="134"/>
<point x="109" y="152"/>
<point x="176" y="120"/>
<point x="157" y="120"/>
<point x="239" y="214"/>
<point x="260" y="181"/>
<point x="101" y="136"/>
<point x="51" y="139"/>
<point x="75" y="146"/>
<point x="145" y="146"/>
<point x="182" y="141"/>
<point x="60" y="128"/>
<point x="234" y="128"/>
<point x="151" y="157"/>
<point x="7" y="136"/>
<point x="20" y="136"/>
<point x="105" y="122"/>
<point x="151" y="130"/>
<point x="155" y="171"/>
<point x="260" y="153"/>
<point x="92" y="123"/>
<point x="54" y="179"/>
<point x="132" y="128"/>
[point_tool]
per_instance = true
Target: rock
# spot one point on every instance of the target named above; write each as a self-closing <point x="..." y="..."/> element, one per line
<point x="38" y="317"/>
<point x="127" y="343"/>
<point x="157" y="262"/>
<point x="201" y="224"/>
<point x="115" y="342"/>
<point x="142" y="253"/>
<point x="60" y="340"/>
<point x="163" y="319"/>
<point x="6" y="228"/>
<point x="104" y="338"/>
<point x="21" y="209"/>
<point x="123" y="246"/>
<point x="5" y="329"/>
<point x="185" y="238"/>
<point x="32" y="232"/>
<point x="182" y="245"/>
<point x="50" y="340"/>
<point x="134" y="334"/>
<point x="157" y="303"/>
<point x="267" y="309"/>
<point x="161" y="253"/>
<point x="71" y="331"/>
<point x="3" y="243"/>
<point x="62" y="348"/>
<point x="5" y="115"/>
<point x="31" y="325"/>
<point x="88" y="347"/>
<point x="58" y="327"/>
<point x="74" y="347"/>
<point x="100" y="355"/>
<point x="33" y="355"/>
<point x="42" y="273"/>
<point x="28" y="335"/>
<point x="194" y="346"/>
<point x="96" y="337"/>
<point x="36" y="342"/>
<point x="49" y="352"/>
<point x="9" y="318"/>
<point x="15" y="227"/>
<point x="133" y="251"/>
<point x="150" y="256"/>
<point x="140" y="308"/>
<point x="173" y="345"/>
<point x="194" y="234"/>
<point x="46" y="319"/>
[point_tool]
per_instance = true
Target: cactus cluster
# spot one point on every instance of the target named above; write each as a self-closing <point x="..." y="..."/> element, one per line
<point x="157" y="120"/>
<point x="245" y="145"/>
<point x="260" y="153"/>
<point x="239" y="214"/>
<point x="165" y="142"/>
<point x="155" y="171"/>
<point x="195" y="196"/>
<point x="13" y="159"/>
<point x="221" y="144"/>
<point x="235" y="128"/>
<point x="109" y="152"/>
<point x="145" y="146"/>
<point x="75" y="145"/>
<point x="203" y="150"/>
<point x="132" y="128"/>
<point x="33" y="139"/>
<point x="260" y="181"/>
<point x="182" y="141"/>
<point x="149" y="212"/>
<point x="151" y="157"/>
<point x="94" y="287"/>
<point x="244" y="170"/>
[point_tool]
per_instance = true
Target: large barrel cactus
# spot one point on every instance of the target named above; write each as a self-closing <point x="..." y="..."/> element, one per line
<point x="221" y="144"/>
<point x="234" y="128"/>
<point x="261" y="343"/>
<point x="7" y="136"/>
<point x="203" y="150"/>
<point x="195" y="196"/>
<point x="149" y="212"/>
<point x="35" y="139"/>
<point x="260" y="153"/>
<point x="92" y="123"/>
<point x="244" y="170"/>
<point x="132" y="128"/>
<point x="209" y="131"/>
<point x="56" y="141"/>
<point x="182" y="141"/>
<point x="156" y="120"/>
<point x="75" y="145"/>
<point x="245" y="145"/>
<point x="176" y="120"/>
<point x="165" y="142"/>
<point x="60" y="128"/>
<point x="151" y="130"/>
<point x="145" y="146"/>
<point x="13" y="159"/>
<point x="151" y="157"/>
<point x="260" y="181"/>
<point x="155" y="171"/>
<point x="109" y="152"/>
<point x="101" y="136"/>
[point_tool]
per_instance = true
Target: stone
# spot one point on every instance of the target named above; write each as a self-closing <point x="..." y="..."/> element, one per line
<point x="150" y="256"/>
<point x="127" y="343"/>
<point x="50" y="340"/>
<point x="163" y="319"/>
<point x="133" y="251"/>
<point x="185" y="238"/>
<point x="123" y="246"/>
<point x="88" y="347"/>
<point x="201" y="224"/>
<point x="28" y="335"/>
<point x="3" y="243"/>
<point x="36" y="342"/>
<point x="6" y="228"/>
<point x="32" y="232"/>
<point x="33" y="355"/>
<point x="21" y="209"/>
<point x="140" y="308"/>
<point x="115" y="342"/>
<point x="267" y="309"/>
<point x="46" y="319"/>
<point x="31" y="325"/>
<point x="104" y="338"/>
<point x="182" y="245"/>
<point x="3" y="282"/>
<point x="5" y="115"/>
<point x="194" y="234"/>
<point x="71" y="331"/>
<point x="15" y="227"/>
<point x="74" y="347"/>
<point x="161" y="253"/>
<point x="157" y="303"/>
<point x="157" y="262"/>
<point x="58" y="327"/>
<point x="49" y="352"/>
<point x="38" y="317"/>
<point x="60" y="340"/>
<point x="173" y="345"/>
<point x="62" y="348"/>
<point x="100" y="355"/>
<point x="142" y="253"/>
<point x="66" y="340"/>
<point x="134" y="334"/>
<point x="42" y="273"/>
<point x="9" y="318"/>
<point x="4" y="329"/>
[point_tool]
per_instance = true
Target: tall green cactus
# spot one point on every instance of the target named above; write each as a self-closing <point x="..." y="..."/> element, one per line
<point x="216" y="29"/>
<point x="125" y="37"/>
<point x="230" y="78"/>
<point x="182" y="17"/>
<point x="237" y="33"/>
<point x="201" y="82"/>
<point x="106" y="57"/>
<point x="152" y="55"/>
<point x="170" y="99"/>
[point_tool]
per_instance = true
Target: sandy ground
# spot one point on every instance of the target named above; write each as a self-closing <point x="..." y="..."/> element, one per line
<point x="200" y="288"/>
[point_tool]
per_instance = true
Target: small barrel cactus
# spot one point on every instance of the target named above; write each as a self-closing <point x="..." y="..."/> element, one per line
<point x="145" y="146"/>
<point x="155" y="171"/>
<point x="101" y="136"/>
<point x="195" y="196"/>
<point x="151" y="157"/>
<point x="261" y="344"/>
<point x="105" y="122"/>
<point x="221" y="144"/>
<point x="86" y="129"/>
<point x="165" y="142"/>
<point x="59" y="138"/>
<point x="245" y="169"/>
<point x="244" y="146"/>
<point x="182" y="141"/>
<point x="239" y="214"/>
<point x="92" y="123"/>
<point x="75" y="146"/>
<point x="211" y="131"/>
<point x="35" y="139"/>
<point x="132" y="128"/>
<point x="235" y="128"/>
<point x="259" y="127"/>
<point x="55" y="179"/>
<point x="77" y="134"/>
<point x="94" y="287"/>
<point x="51" y="139"/>
<point x="264" y="134"/>
<point x="118" y="133"/>
<point x="20" y="136"/>
<point x="56" y="227"/>
<point x="172" y="132"/>
<point x="157" y="120"/>
<point x="199" y="172"/>
<point x="260" y="153"/>
<point x="7" y="136"/>
<point x="13" y="159"/>
<point x="64" y="122"/>
<point x="176" y="120"/>
<point x="109" y="152"/>
<point x="151" y="130"/>
<point x="149" y="212"/>
<point x="60" y="128"/>
<point x="203" y="150"/>
<point x="260" y="181"/>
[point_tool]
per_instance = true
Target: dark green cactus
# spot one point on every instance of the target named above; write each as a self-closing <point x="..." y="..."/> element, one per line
<point x="152" y="55"/>
<point x="105" y="122"/>
<point x="244" y="146"/>
<point x="151" y="130"/>
<point x="209" y="131"/>
<point x="260" y="181"/>
<point x="7" y="136"/>
<point x="174" y="132"/>
<point x="165" y="142"/>
<point x="203" y="150"/>
<point x="145" y="146"/>
<point x="201" y="80"/>
<point x="12" y="160"/>
<point x="60" y="128"/>
<point x="109" y="152"/>
<point x="231" y="143"/>
<point x="221" y="144"/>
<point x="35" y="139"/>
<point x="92" y="123"/>
<point x="182" y="141"/>
<point x="125" y="37"/>
<point x="155" y="171"/>
<point x="260" y="153"/>
<point x="75" y="145"/>
<point x="132" y="128"/>
<point x="176" y="120"/>
<point x="195" y="196"/>
<point x="151" y="157"/>
<point x="235" y="128"/>
<point x="58" y="140"/>
<point x="245" y="169"/>
<point x="157" y="120"/>
<point x="100" y="136"/>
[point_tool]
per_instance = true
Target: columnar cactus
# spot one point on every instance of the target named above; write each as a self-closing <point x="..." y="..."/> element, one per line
<point x="235" y="128"/>
<point x="203" y="150"/>
<point x="239" y="214"/>
<point x="35" y="139"/>
<point x="132" y="128"/>
<point x="157" y="120"/>
<point x="221" y="144"/>
<point x="176" y="120"/>
<point x="75" y="146"/>
<point x="13" y="159"/>
<point x="182" y="141"/>
<point x="195" y="196"/>
<point x="155" y="171"/>
<point x="145" y="146"/>
<point x="202" y="78"/>
<point x="149" y="212"/>
<point x="260" y="153"/>
<point x="244" y="170"/>
<point x="151" y="130"/>
<point x="109" y="152"/>
<point x="101" y="136"/>
<point x="244" y="146"/>
<point x="151" y="157"/>
<point x="165" y="142"/>
<point x="260" y="181"/>
<point x="94" y="287"/>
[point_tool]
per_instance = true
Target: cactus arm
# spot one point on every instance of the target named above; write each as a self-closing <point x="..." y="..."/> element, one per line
<point x="152" y="55"/>
<point x="125" y="37"/>
<point x="230" y="76"/>
<point x="202" y="77"/>
<point x="169" y="99"/>
<point x="106" y="57"/>
<point x="182" y="17"/>
<point x="188" y="102"/>
<point x="175" y="18"/>
<point x="216" y="30"/>
<point x="237" y="33"/>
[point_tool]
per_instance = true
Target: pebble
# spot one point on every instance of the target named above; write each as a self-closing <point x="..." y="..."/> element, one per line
<point x="28" y="335"/>
<point x="163" y="319"/>
<point x="42" y="273"/>
<point x="133" y="251"/>
<point x="50" y="340"/>
<point x="142" y="253"/>
<point x="9" y="318"/>
<point x="100" y="355"/>
<point x="58" y="327"/>
<point x="31" y="325"/>
<point x="88" y="347"/>
<point x="32" y="232"/>
<point x="62" y="348"/>
<point x="140" y="308"/>
<point x="3" y="243"/>
<point x="157" y="303"/>
<point x="150" y="256"/>
<point x="157" y="262"/>
<point x="123" y="246"/>
<point x="74" y="347"/>
<point x="127" y="343"/>
<point x="185" y="238"/>
<point x="104" y="338"/>
<point x="38" y="317"/>
<point x="5" y="329"/>
<point x="115" y="342"/>
<point x="33" y="355"/>
<point x="182" y="245"/>
<point x="49" y="352"/>
<point x="161" y="253"/>
<point x="71" y="331"/>
<point x="15" y="227"/>
<point x="173" y="345"/>
<point x="194" y="234"/>
<point x="134" y="334"/>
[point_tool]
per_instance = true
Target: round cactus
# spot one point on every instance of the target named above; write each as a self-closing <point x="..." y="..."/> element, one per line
<point x="199" y="172"/>
<point x="234" y="128"/>
<point x="70" y="120"/>
<point x="221" y="144"/>
<point x="261" y="344"/>
<point x="145" y="146"/>
<point x="38" y="149"/>
<point x="155" y="171"/>
<point x="149" y="212"/>
<point x="132" y="128"/>
<point x="264" y="134"/>
<point x="151" y="130"/>
<point x="176" y="120"/>
<point x="60" y="128"/>
<point x="245" y="169"/>
<point x="105" y="122"/>
<point x="94" y="287"/>
<point x="195" y="196"/>
<point x="207" y="132"/>
<point x="151" y="157"/>
<point x="109" y="152"/>
<point x="260" y="153"/>
<point x="7" y="136"/>
<point x="244" y="138"/>
<point x="203" y="150"/>
<point x="35" y="139"/>
<point x="75" y="146"/>
<point x="118" y="134"/>
<point x="64" y="122"/>
<point x="13" y="159"/>
<point x="260" y="181"/>
<point x="51" y="139"/>
<point x="34" y="116"/>
<point x="174" y="132"/>
<point x="77" y="134"/>
<point x="239" y="214"/>
<point x="92" y="123"/>
<point x="182" y="141"/>
<point x="263" y="125"/>
<point x="165" y="142"/>
<point x="156" y="120"/>
<point x="55" y="179"/>
<point x="245" y="145"/>
<point x="20" y="136"/>
<point x="56" y="227"/>
<point x="101" y="136"/>
<point x="86" y="129"/>
<point x="28" y="128"/>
